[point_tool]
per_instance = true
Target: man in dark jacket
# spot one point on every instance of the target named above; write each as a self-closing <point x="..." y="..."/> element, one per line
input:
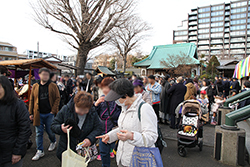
<point x="164" y="107"/>
<point x="43" y="105"/>
<point x="177" y="93"/>
<point x="226" y="85"/>
<point x="236" y="85"/>
<point x="88" y="123"/>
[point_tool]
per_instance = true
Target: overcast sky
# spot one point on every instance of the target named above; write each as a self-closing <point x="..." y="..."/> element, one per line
<point x="18" y="28"/>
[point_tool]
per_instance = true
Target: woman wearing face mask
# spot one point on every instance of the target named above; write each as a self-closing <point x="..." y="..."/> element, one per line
<point x="83" y="114"/>
<point x="130" y="128"/>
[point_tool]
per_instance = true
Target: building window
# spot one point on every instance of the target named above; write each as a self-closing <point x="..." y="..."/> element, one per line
<point x="217" y="8"/>
<point x="217" y="13"/>
<point x="217" y="35"/>
<point x="216" y="29"/>
<point x="217" y="24"/>
<point x="204" y="15"/>
<point x="180" y="38"/>
<point x="237" y="27"/>
<point x="204" y="10"/>
<point x="238" y="22"/>
<point x="204" y="25"/>
<point x="238" y="4"/>
<point x="238" y="16"/>
<point x="204" y="20"/>
<point x="203" y="36"/>
<point x="180" y="33"/>
<point x="203" y="31"/>
<point x="238" y="10"/>
<point x="217" y="18"/>
<point x="238" y="33"/>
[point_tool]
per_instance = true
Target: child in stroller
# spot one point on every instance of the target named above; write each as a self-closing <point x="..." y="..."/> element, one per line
<point x="190" y="131"/>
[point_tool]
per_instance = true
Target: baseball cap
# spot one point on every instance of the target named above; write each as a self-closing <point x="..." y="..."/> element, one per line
<point x="203" y="92"/>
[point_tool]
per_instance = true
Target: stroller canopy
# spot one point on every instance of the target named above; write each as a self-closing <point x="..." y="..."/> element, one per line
<point x="192" y="106"/>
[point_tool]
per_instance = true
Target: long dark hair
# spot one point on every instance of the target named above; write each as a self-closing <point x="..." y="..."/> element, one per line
<point x="9" y="94"/>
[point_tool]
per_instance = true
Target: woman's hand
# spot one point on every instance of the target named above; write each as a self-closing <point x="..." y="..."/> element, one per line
<point x="87" y="143"/>
<point x="100" y="100"/>
<point x="125" y="135"/>
<point x="105" y="138"/>
<point x="64" y="128"/>
<point x="16" y="159"/>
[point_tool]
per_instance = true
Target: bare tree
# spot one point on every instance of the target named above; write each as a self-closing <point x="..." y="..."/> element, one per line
<point x="179" y="64"/>
<point x="128" y="37"/>
<point x="83" y="24"/>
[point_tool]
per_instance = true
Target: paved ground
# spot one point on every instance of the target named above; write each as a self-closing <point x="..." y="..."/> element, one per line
<point x="170" y="156"/>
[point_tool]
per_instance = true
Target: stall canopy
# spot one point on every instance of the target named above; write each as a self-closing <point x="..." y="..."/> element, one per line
<point x="26" y="64"/>
<point x="242" y="69"/>
<point x="102" y="70"/>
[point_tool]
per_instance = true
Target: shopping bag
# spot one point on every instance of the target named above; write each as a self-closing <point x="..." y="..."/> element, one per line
<point x="146" y="157"/>
<point x="90" y="153"/>
<point x="72" y="159"/>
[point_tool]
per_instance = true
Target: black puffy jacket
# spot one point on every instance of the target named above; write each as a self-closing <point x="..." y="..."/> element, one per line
<point x="14" y="130"/>
<point x="91" y="127"/>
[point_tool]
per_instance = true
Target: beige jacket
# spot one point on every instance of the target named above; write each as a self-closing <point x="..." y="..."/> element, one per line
<point x="128" y="120"/>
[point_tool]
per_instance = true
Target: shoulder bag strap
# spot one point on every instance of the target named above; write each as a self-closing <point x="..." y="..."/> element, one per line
<point x="110" y="117"/>
<point x="139" y="110"/>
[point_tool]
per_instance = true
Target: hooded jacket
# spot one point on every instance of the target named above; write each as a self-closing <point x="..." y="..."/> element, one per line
<point x="191" y="91"/>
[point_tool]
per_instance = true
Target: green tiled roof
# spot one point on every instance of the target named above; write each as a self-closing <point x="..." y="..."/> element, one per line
<point x="162" y="52"/>
<point x="104" y="70"/>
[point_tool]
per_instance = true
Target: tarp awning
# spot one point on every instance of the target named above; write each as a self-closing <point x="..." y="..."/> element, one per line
<point x="242" y="69"/>
<point x="25" y="64"/>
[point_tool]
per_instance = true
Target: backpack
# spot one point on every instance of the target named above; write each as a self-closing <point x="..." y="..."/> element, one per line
<point x="160" y="143"/>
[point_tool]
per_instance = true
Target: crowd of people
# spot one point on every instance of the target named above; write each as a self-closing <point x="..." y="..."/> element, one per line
<point x="103" y="108"/>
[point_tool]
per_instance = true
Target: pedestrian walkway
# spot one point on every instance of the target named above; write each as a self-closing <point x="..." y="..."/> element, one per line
<point x="170" y="155"/>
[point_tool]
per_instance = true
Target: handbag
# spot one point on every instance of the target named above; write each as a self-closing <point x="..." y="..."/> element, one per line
<point x="146" y="156"/>
<point x="72" y="159"/>
<point x="160" y="143"/>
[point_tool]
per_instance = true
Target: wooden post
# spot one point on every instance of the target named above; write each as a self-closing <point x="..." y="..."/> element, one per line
<point x="15" y="80"/>
<point x="29" y="82"/>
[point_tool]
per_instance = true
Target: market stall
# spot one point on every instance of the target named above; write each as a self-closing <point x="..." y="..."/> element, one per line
<point x="20" y="67"/>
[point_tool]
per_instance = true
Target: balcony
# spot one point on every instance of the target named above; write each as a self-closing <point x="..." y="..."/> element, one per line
<point x="203" y="43"/>
<point x="237" y="41"/>
<point x="217" y="48"/>
<point x="192" y="38"/>
<point x="193" y="18"/>
<point x="203" y="48"/>
<point x="193" y="23"/>
<point x="217" y="42"/>
<point x="192" y="33"/>
<point x="193" y="13"/>
<point x="193" y="28"/>
<point x="237" y="47"/>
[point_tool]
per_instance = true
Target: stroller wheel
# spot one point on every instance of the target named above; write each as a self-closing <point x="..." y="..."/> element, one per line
<point x="182" y="151"/>
<point x="200" y="145"/>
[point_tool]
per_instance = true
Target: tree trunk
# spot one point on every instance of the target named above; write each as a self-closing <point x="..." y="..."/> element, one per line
<point x="124" y="63"/>
<point x="82" y="59"/>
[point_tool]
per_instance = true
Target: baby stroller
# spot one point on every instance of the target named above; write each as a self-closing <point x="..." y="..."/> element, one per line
<point x="190" y="128"/>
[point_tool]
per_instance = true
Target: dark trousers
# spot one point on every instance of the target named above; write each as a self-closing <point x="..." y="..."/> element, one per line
<point x="156" y="108"/>
<point x="172" y="121"/>
<point x="105" y="152"/>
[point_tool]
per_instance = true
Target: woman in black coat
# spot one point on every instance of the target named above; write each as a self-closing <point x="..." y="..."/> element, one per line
<point x="80" y="116"/>
<point x="15" y="126"/>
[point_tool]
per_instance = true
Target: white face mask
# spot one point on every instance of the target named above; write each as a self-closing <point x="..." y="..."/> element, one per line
<point x="120" y="104"/>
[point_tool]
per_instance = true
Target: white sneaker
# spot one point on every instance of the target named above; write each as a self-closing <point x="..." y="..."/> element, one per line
<point x="52" y="146"/>
<point x="39" y="154"/>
